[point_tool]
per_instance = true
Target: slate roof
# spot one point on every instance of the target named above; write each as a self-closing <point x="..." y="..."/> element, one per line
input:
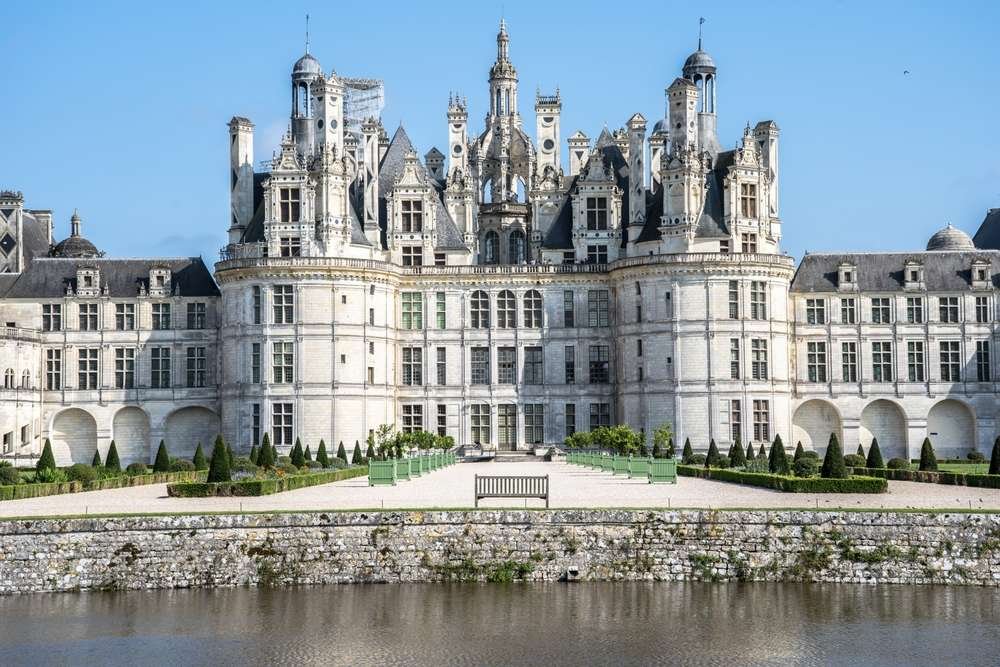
<point x="711" y="222"/>
<point x="34" y="237"/>
<point x="988" y="234"/>
<point x="47" y="277"/>
<point x="883" y="272"/>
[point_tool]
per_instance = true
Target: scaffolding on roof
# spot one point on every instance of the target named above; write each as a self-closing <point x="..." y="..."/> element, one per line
<point x="363" y="99"/>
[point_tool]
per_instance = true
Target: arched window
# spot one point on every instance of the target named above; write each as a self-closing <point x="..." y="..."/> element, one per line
<point x="480" y="310"/>
<point x="515" y="247"/>
<point x="26" y="380"/>
<point x="533" y="309"/>
<point x="8" y="378"/>
<point x="491" y="248"/>
<point x="506" y="310"/>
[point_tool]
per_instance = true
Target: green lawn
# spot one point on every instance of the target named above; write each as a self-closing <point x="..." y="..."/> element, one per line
<point x="967" y="468"/>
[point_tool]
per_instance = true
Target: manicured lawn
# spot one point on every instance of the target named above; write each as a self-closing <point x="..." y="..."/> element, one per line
<point x="965" y="468"/>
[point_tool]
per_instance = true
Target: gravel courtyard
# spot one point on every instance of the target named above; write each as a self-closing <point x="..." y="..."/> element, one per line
<point x="570" y="486"/>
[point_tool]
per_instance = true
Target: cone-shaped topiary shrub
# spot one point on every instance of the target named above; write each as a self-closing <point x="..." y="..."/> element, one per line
<point x="861" y="451"/>
<point x="298" y="456"/>
<point x="671" y="450"/>
<point x="46" y="461"/>
<point x="97" y="459"/>
<point x="218" y="467"/>
<point x="229" y="453"/>
<point x="729" y="454"/>
<point x="833" y="462"/>
<point x="356" y="457"/>
<point x="750" y="453"/>
<point x="199" y="458"/>
<point x="712" y="458"/>
<point x="253" y="454"/>
<point x="265" y="457"/>
<point x="308" y="455"/>
<point x="761" y="454"/>
<point x="799" y="451"/>
<point x="738" y="458"/>
<point x="370" y="454"/>
<point x="928" y="461"/>
<point x="995" y="458"/>
<point x="777" y="461"/>
<point x="321" y="456"/>
<point x="162" y="461"/>
<point x="657" y="452"/>
<point x="341" y="452"/>
<point x="688" y="453"/>
<point x="874" y="459"/>
<point x="111" y="461"/>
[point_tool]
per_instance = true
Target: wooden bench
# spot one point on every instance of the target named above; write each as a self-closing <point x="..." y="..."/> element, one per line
<point x="512" y="486"/>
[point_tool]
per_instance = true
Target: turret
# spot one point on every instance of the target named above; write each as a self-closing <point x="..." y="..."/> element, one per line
<point x="330" y="121"/>
<point x="458" y="142"/>
<point x="306" y="72"/>
<point x="240" y="176"/>
<point x="548" y="109"/>
<point x="682" y="96"/>
<point x="579" y="149"/>
<point x="434" y="159"/>
<point x="700" y="70"/>
<point x="766" y="134"/>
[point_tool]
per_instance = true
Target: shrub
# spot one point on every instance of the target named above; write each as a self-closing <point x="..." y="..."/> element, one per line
<point x="995" y="457"/>
<point x="750" y="454"/>
<point x="111" y="461"/>
<point x="96" y="462"/>
<point x="698" y="459"/>
<point x="356" y="457"/>
<point x="687" y="456"/>
<point x="855" y="461"/>
<point x="861" y="451"/>
<point x="805" y="467"/>
<point x="370" y="452"/>
<point x="287" y="468"/>
<point x="50" y="476"/>
<point x="297" y="456"/>
<point x="811" y="454"/>
<point x="777" y="461"/>
<point x="723" y="462"/>
<point x="321" y="456"/>
<point x="314" y="465"/>
<point x="928" y="461"/>
<point x="265" y="457"/>
<point x="874" y="459"/>
<point x="663" y="441"/>
<point x="162" y="461"/>
<point x="46" y="461"/>
<point x="229" y="453"/>
<point x="137" y="468"/>
<point x="761" y="454"/>
<point x="338" y="463"/>
<point x="758" y="464"/>
<point x="643" y="452"/>
<point x="81" y="472"/>
<point x="833" y="462"/>
<point x="739" y="457"/>
<point x="308" y="454"/>
<point x="975" y="457"/>
<point x="199" y="461"/>
<point x="798" y="452"/>
<point x="284" y="461"/>
<point x="341" y="452"/>
<point x="9" y="475"/>
<point x="789" y="484"/>
<point x="657" y="452"/>
<point x="181" y="465"/>
<point x="218" y="467"/>
<point x="712" y="457"/>
<point x="898" y="464"/>
<point x="253" y="454"/>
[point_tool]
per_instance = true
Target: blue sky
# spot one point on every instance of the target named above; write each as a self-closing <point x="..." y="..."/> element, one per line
<point x="121" y="110"/>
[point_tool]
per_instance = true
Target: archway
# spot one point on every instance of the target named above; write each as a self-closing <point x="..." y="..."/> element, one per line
<point x="74" y="437"/>
<point x="813" y="423"/>
<point x="130" y="430"/>
<point x="186" y="427"/>
<point x="884" y="420"/>
<point x="951" y="427"/>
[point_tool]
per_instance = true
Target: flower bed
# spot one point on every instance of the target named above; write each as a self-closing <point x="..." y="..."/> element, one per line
<point x="952" y="478"/>
<point x="263" y="487"/>
<point x="789" y="484"/>
<point x="37" y="490"/>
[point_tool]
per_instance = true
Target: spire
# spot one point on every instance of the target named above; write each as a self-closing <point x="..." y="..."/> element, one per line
<point x="701" y="22"/>
<point x="74" y="224"/>
<point x="307" y="33"/>
<point x="503" y="43"/>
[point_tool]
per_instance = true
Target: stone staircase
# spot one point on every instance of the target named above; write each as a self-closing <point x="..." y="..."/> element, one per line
<point x="515" y="457"/>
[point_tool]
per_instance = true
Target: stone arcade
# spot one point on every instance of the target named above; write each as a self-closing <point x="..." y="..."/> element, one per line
<point x="488" y="294"/>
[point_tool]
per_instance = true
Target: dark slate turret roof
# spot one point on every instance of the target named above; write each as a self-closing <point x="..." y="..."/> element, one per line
<point x="48" y="277"/>
<point x="988" y="234"/>
<point x="34" y="236"/>
<point x="883" y="272"/>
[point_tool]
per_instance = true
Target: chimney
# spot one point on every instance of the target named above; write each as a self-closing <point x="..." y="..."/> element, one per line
<point x="240" y="176"/>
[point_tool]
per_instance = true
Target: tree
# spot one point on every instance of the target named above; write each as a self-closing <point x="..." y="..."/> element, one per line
<point x="308" y="455"/>
<point x="297" y="455"/>
<point x="218" y="467"/>
<point x="97" y="459"/>
<point x="833" y="462"/>
<point x="688" y="453"/>
<point x="798" y="452"/>
<point x="995" y="457"/>
<point x="874" y="456"/>
<point x="777" y="461"/>
<point x="253" y="454"/>
<point x="579" y="440"/>
<point x="750" y="453"/>
<point x="199" y="459"/>
<point x="341" y="452"/>
<point x="111" y="461"/>
<point x="321" y="456"/>
<point x="712" y="458"/>
<point x="663" y="438"/>
<point x="46" y="461"/>
<point x="928" y="461"/>
<point x="738" y="458"/>
<point x="229" y="453"/>
<point x="620" y="439"/>
<point x="265" y="457"/>
<point x="162" y="461"/>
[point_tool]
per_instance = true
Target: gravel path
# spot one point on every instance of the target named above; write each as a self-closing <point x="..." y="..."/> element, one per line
<point x="571" y="486"/>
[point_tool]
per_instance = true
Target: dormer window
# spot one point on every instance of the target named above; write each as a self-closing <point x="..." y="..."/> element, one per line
<point x="597" y="213"/>
<point x="748" y="200"/>
<point x="88" y="281"/>
<point x="847" y="276"/>
<point x="289" y="204"/>
<point x="913" y="275"/>
<point x="980" y="274"/>
<point x="159" y="280"/>
<point x="413" y="216"/>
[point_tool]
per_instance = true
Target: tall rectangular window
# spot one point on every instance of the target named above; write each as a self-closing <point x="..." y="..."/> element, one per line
<point x="479" y="417"/>
<point x="570" y="419"/>
<point x="882" y="361"/>
<point x="534" y="423"/>
<point x="569" y="311"/>
<point x="951" y="361"/>
<point x="52" y="317"/>
<point x="600" y="415"/>
<point x="413" y="418"/>
<point x="87" y="365"/>
<point x="597" y="308"/>
<point x="161" y="316"/>
<point x="413" y="216"/>
<point x="982" y="309"/>
<point x="506" y="365"/>
<point x="983" y="369"/>
<point x="748" y="200"/>
<point x="255" y="434"/>
<point x="948" y="309"/>
<point x="442" y="366"/>
<point x="283" y="304"/>
<point x="125" y="316"/>
<point x="413" y="255"/>
<point x="914" y="310"/>
<point x="442" y="310"/>
<point x="413" y="366"/>
<point x="88" y="317"/>
<point x="599" y="364"/>
<point x="413" y="310"/>
<point x="848" y="311"/>
<point x="124" y="367"/>
<point x="736" y="419"/>
<point x="256" y="304"/>
<point x="159" y="368"/>
<point x="849" y="361"/>
<point x="442" y="419"/>
<point x="53" y="369"/>
<point x="761" y="420"/>
<point x="815" y="311"/>
<point x="734" y="358"/>
<point x="597" y="253"/>
<point x="480" y="372"/>
<point x="734" y="299"/>
<point x="196" y="315"/>
<point x="569" y="363"/>
<point x="533" y="372"/>
<point x="289" y="204"/>
<point x="816" y="361"/>
<point x="597" y="213"/>
<point x="282" y="424"/>
<point x="915" y="361"/>
<point x="881" y="310"/>
<point x="255" y="363"/>
<point x="196" y="367"/>
<point x="283" y="362"/>
<point x="758" y="359"/>
<point x="758" y="300"/>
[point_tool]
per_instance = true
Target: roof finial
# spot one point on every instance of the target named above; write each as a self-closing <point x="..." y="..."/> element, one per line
<point x="701" y="22"/>
<point x="74" y="224"/>
<point x="307" y="33"/>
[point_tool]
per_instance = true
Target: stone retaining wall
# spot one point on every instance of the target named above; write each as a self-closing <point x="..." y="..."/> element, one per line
<point x="497" y="545"/>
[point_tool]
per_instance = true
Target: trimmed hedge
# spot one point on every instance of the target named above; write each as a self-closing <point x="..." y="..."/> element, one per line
<point x="22" y="491"/>
<point x="263" y="487"/>
<point x="927" y="476"/>
<point x="789" y="484"/>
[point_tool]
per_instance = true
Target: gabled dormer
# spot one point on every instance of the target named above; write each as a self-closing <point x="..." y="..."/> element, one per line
<point x="159" y="281"/>
<point x="88" y="281"/>
<point x="913" y="275"/>
<point x="289" y="205"/>
<point x="847" y="277"/>
<point x="981" y="275"/>
<point x="411" y="208"/>
<point x="597" y="212"/>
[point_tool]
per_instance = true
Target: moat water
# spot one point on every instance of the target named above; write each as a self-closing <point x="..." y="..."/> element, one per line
<point x="468" y="624"/>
